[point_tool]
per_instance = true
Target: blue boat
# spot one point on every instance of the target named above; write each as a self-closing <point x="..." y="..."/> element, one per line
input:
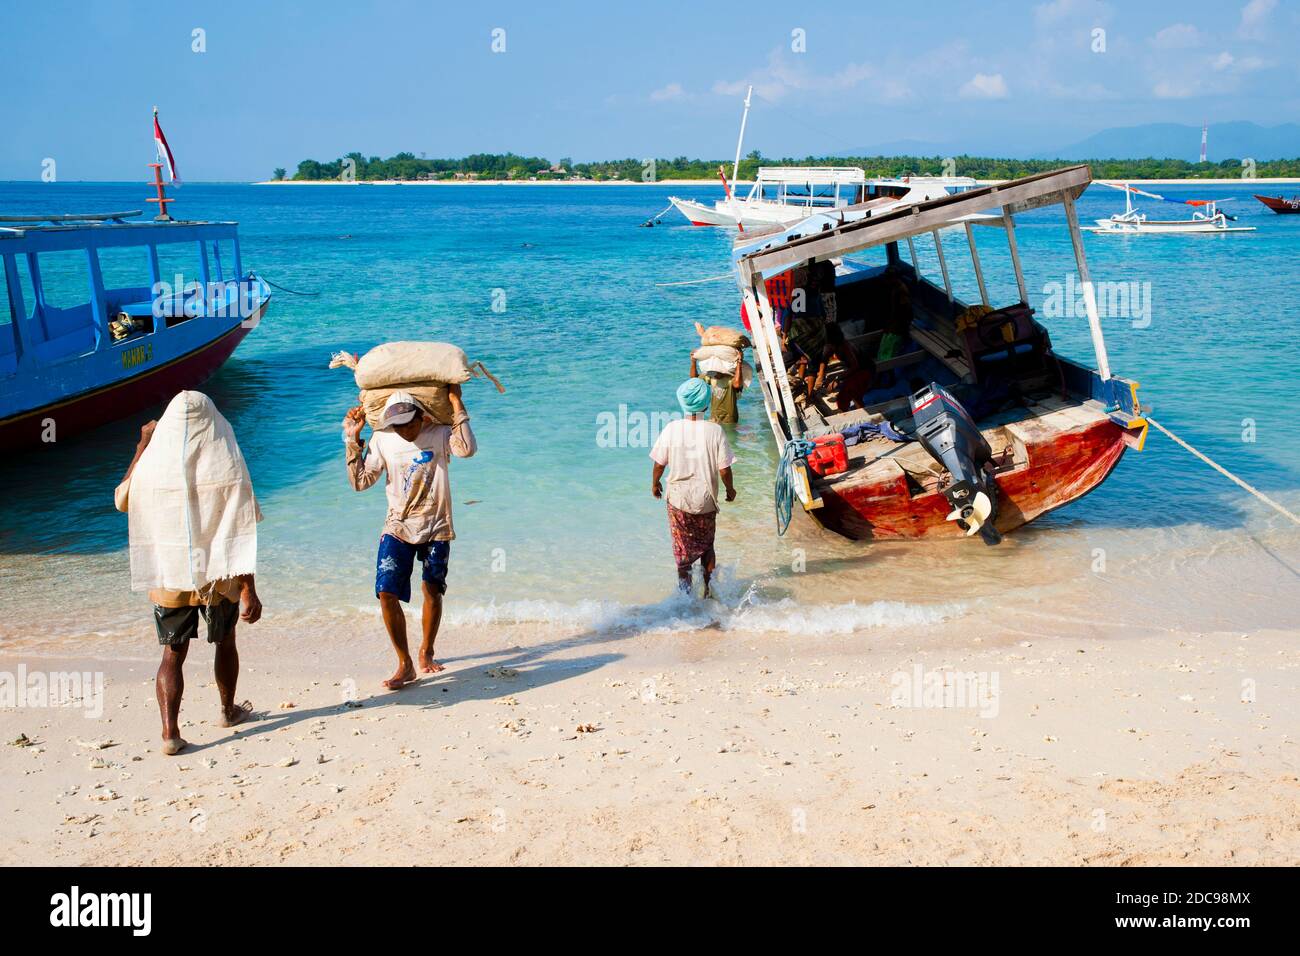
<point x="104" y="317"/>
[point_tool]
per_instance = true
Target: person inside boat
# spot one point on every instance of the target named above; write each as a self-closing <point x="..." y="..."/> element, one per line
<point x="193" y="547"/>
<point x="898" y="324"/>
<point x="413" y="451"/>
<point x="725" y="390"/>
<point x="813" y="334"/>
<point x="695" y="454"/>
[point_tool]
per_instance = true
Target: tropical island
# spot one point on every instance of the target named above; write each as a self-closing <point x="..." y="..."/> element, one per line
<point x="510" y="167"/>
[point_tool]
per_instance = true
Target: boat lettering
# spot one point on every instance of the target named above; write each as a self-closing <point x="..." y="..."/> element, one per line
<point x="137" y="355"/>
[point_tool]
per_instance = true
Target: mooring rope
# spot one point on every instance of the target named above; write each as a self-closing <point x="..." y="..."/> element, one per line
<point x="1227" y="474"/>
<point x="795" y="449"/>
<point x="718" y="278"/>
<point x="283" y="289"/>
<point x="657" y="216"/>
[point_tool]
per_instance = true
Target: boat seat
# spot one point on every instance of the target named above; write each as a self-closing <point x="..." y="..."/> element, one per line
<point x="77" y="342"/>
<point x="900" y="361"/>
<point x="941" y="348"/>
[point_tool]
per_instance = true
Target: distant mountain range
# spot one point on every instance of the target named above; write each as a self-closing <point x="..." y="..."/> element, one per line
<point x="1174" y="141"/>
<point x="1236" y="140"/>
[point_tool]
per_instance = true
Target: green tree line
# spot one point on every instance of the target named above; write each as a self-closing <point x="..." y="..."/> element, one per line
<point x="407" y="166"/>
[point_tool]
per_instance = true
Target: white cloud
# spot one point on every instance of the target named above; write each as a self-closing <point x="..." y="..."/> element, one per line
<point x="1225" y="62"/>
<point x="1051" y="14"/>
<point x="1254" y="17"/>
<point x="1180" y="36"/>
<point x="673" y="91"/>
<point x="781" y="77"/>
<point x="1173" y="90"/>
<point x="985" y="86"/>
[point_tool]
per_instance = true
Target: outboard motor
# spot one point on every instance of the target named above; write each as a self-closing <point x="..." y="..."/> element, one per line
<point x="950" y="435"/>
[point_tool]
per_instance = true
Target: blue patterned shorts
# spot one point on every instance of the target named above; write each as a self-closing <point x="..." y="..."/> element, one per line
<point x="396" y="560"/>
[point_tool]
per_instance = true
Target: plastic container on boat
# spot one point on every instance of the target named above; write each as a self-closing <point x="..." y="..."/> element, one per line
<point x="829" y="456"/>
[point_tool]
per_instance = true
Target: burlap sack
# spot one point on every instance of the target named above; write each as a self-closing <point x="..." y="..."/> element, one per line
<point x="400" y="363"/>
<point x="724" y="353"/>
<point x="432" y="396"/>
<point x="721" y="335"/>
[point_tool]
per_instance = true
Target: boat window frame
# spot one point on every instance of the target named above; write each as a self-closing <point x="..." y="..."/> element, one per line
<point x="13" y="307"/>
<point x="27" y="244"/>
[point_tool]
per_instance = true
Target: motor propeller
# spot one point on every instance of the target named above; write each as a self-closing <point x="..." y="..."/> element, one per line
<point x="948" y="433"/>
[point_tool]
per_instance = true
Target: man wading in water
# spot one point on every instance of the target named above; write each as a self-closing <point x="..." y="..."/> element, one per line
<point x="696" y="455"/>
<point x="414" y="452"/>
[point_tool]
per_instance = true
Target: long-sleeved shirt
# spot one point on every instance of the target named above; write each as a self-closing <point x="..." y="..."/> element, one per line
<point x="418" y="482"/>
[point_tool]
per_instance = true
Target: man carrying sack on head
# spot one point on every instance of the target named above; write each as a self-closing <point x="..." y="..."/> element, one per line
<point x="695" y="454"/>
<point x="193" y="534"/>
<point x="414" y="452"/>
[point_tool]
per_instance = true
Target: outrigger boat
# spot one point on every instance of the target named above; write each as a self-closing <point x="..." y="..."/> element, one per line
<point x="780" y="196"/>
<point x="1206" y="217"/>
<point x="785" y="195"/>
<point x="1280" y="204"/>
<point x="976" y="425"/>
<point x="168" y="302"/>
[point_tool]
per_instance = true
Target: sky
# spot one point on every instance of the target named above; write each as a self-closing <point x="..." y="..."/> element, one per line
<point x="264" y="85"/>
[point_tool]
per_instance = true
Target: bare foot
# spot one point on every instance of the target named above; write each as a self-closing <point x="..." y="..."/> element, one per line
<point x="236" y="714"/>
<point x="428" y="664"/>
<point x="174" y="746"/>
<point x="405" y="675"/>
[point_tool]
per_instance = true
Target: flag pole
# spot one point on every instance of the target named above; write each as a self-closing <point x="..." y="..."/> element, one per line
<point x="162" y="199"/>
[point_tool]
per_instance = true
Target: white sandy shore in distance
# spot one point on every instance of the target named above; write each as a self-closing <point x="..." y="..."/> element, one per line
<point x="1114" y="746"/>
<point x="713" y="182"/>
<point x="498" y="182"/>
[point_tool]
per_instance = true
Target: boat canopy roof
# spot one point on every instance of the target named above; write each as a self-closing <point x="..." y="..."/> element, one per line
<point x="56" y="232"/>
<point x="813" y="175"/>
<point x="853" y="235"/>
<point x="956" y="181"/>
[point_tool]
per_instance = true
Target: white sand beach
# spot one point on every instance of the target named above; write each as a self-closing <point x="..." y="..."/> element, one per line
<point x="1114" y="746"/>
<point x="713" y="182"/>
<point x="496" y="182"/>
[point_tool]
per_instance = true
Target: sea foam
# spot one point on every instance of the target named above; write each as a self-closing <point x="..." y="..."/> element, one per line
<point x="682" y="613"/>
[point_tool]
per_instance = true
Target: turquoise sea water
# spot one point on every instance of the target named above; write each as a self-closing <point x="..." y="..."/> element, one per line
<point x="562" y="529"/>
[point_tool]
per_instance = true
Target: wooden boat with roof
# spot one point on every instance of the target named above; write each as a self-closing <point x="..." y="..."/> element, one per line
<point x="104" y="317"/>
<point x="975" y="424"/>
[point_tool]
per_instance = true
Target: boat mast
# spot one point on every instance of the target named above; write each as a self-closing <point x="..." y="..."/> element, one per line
<point x="735" y="167"/>
<point x="1089" y="294"/>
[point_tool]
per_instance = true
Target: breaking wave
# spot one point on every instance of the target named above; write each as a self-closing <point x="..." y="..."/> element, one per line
<point x="683" y="613"/>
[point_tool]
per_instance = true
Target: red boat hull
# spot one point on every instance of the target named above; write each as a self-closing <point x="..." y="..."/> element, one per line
<point x="120" y="399"/>
<point x="1280" y="205"/>
<point x="1061" y="468"/>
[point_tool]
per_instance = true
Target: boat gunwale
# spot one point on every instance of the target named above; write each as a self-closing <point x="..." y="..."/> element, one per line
<point x="914" y="219"/>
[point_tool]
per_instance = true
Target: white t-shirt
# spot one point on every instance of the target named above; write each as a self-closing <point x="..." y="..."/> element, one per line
<point x="694" y="452"/>
<point x="418" y="485"/>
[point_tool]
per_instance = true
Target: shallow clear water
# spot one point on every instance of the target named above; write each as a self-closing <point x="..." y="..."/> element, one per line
<point x="563" y="528"/>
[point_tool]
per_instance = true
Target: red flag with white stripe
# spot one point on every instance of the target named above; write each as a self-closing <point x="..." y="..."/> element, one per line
<point x="164" y="151"/>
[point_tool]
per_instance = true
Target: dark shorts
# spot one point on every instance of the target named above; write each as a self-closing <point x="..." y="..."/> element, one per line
<point x="177" y="625"/>
<point x="396" y="559"/>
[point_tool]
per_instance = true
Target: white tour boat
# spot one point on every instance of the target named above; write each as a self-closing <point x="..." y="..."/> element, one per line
<point x="1206" y="217"/>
